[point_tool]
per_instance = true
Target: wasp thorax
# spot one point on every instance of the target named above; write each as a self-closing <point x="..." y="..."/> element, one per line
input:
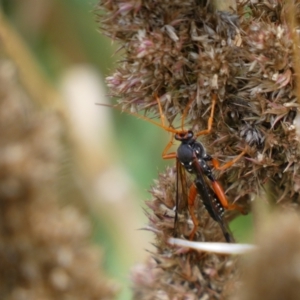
<point x="185" y="154"/>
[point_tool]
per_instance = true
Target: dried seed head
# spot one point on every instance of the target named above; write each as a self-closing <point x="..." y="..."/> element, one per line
<point x="186" y="51"/>
<point x="172" y="271"/>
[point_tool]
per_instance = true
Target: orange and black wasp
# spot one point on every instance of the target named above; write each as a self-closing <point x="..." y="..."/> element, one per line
<point x="191" y="156"/>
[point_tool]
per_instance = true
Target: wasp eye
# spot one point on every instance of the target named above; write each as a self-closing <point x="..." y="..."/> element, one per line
<point x="190" y="134"/>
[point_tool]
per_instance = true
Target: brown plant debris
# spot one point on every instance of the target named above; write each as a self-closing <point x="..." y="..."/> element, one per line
<point x="44" y="249"/>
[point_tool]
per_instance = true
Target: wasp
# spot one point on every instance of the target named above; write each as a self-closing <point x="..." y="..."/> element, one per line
<point x="192" y="157"/>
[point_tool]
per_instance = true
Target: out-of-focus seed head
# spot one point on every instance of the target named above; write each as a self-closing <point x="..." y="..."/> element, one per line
<point x="44" y="248"/>
<point x="272" y="271"/>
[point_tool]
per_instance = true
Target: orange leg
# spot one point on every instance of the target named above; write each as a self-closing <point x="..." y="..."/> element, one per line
<point x="219" y="190"/>
<point x="217" y="166"/>
<point x="222" y="197"/>
<point x="210" y="119"/>
<point x="166" y="155"/>
<point x="191" y="205"/>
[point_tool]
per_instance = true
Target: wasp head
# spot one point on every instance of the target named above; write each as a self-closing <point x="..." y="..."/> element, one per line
<point x="184" y="136"/>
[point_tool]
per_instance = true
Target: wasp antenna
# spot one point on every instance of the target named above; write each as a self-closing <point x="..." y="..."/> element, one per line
<point x="162" y="115"/>
<point x="108" y="105"/>
<point x="169" y="129"/>
<point x="185" y="113"/>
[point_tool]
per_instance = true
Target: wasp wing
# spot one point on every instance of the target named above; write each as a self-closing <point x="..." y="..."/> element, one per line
<point x="210" y="200"/>
<point x="181" y="191"/>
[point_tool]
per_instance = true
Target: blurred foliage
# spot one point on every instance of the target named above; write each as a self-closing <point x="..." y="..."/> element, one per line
<point x="69" y="35"/>
<point x="61" y="34"/>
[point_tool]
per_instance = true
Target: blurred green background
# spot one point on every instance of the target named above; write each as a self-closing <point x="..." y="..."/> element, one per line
<point x="63" y="35"/>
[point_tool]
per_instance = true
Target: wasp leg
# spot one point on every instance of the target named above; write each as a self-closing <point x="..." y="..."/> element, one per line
<point x="227" y="165"/>
<point x="171" y="155"/>
<point x="210" y="119"/>
<point x="222" y="197"/>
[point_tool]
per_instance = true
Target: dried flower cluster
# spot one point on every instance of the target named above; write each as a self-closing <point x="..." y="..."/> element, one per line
<point x="44" y="249"/>
<point x="183" y="51"/>
<point x="174" y="273"/>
